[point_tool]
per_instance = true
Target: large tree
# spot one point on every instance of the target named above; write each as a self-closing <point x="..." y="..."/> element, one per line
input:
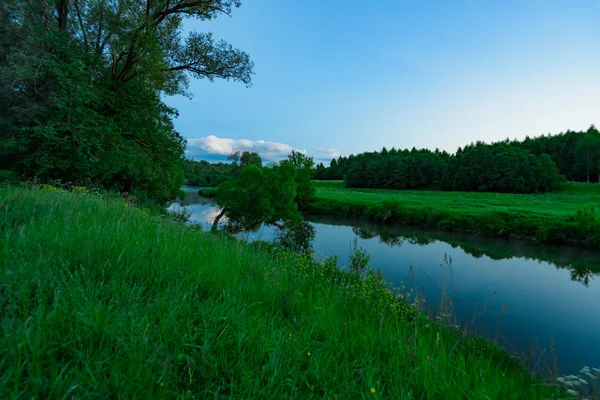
<point x="305" y="169"/>
<point x="82" y="81"/>
<point x="259" y="195"/>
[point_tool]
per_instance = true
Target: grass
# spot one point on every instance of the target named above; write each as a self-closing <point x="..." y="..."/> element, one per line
<point x="98" y="299"/>
<point x="567" y="216"/>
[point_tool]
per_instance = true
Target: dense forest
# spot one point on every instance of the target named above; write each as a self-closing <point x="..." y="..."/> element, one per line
<point x="532" y="165"/>
<point x="82" y="83"/>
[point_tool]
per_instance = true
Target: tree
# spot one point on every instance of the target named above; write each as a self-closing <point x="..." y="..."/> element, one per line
<point x="81" y="86"/>
<point x="587" y="155"/>
<point x="305" y="187"/>
<point x="248" y="158"/>
<point x="259" y="195"/>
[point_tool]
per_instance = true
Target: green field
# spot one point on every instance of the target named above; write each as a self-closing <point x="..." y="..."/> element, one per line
<point x="549" y="217"/>
<point x="101" y="300"/>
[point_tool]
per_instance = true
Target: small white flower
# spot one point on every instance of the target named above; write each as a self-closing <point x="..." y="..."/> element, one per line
<point x="590" y="375"/>
<point x="560" y="379"/>
<point x="572" y="377"/>
<point x="596" y="370"/>
<point x="583" y="381"/>
<point x="569" y="383"/>
<point x="571" y="392"/>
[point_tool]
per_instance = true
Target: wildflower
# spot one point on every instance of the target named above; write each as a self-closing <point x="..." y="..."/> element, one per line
<point x="308" y="354"/>
<point x="590" y="375"/>
<point x="290" y="335"/>
<point x="373" y="390"/>
<point x="560" y="380"/>
<point x="596" y="370"/>
<point x="571" y="392"/>
<point x="162" y="384"/>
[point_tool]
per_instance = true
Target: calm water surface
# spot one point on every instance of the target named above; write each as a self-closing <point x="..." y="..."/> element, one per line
<point x="516" y="292"/>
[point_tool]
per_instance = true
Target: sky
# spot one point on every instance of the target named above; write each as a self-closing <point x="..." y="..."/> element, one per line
<point x="345" y="77"/>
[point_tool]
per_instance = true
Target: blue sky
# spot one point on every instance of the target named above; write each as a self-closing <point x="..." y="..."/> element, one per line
<point x="342" y="77"/>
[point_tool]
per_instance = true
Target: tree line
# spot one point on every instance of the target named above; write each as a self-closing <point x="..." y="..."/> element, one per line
<point x="205" y="174"/>
<point x="82" y="83"/>
<point x="532" y="165"/>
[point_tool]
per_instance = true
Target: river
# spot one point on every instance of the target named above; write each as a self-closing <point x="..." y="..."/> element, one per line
<point x="526" y="296"/>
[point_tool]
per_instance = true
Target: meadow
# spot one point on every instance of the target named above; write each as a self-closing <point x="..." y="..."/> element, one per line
<point x="101" y="299"/>
<point x="566" y="216"/>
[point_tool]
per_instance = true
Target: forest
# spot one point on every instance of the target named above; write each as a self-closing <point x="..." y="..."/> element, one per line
<point x="532" y="165"/>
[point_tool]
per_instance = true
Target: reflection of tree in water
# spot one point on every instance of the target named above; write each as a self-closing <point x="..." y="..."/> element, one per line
<point x="364" y="233"/>
<point x="297" y="237"/>
<point x="582" y="269"/>
<point x="389" y="238"/>
<point x="582" y="275"/>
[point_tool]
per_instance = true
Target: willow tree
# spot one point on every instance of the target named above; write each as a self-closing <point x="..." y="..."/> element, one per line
<point x="82" y="82"/>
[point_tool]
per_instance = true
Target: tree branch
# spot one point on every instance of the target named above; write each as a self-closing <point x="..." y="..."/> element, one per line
<point x="81" y="25"/>
<point x="218" y="218"/>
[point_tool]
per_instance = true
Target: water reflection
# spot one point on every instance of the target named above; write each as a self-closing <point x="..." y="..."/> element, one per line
<point x="583" y="264"/>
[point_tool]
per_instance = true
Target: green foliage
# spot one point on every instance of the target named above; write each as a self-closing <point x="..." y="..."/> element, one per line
<point x="305" y="187"/>
<point x="259" y="195"/>
<point x="359" y="258"/>
<point x="81" y="85"/>
<point x="208" y="192"/>
<point x="587" y="218"/>
<point x="205" y="174"/>
<point x="576" y="154"/>
<point x="545" y="217"/>
<point x="149" y="308"/>
<point x="390" y="170"/>
<point x="501" y="168"/>
<point x="250" y="158"/>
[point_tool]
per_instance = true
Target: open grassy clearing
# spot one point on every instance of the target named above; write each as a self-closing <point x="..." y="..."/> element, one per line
<point x="99" y="299"/>
<point x="549" y="217"/>
<point x="563" y="203"/>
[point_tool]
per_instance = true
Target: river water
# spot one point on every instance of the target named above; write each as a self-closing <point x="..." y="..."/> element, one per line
<point x="528" y="297"/>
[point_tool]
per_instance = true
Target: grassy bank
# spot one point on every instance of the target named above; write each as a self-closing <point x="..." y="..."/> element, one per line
<point x="208" y="192"/>
<point x="99" y="299"/>
<point x="566" y="216"/>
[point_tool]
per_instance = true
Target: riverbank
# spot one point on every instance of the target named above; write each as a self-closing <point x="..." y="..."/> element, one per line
<point x="100" y="299"/>
<point x="208" y="192"/>
<point x="566" y="216"/>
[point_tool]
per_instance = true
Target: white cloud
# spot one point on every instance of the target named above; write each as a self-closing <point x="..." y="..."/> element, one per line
<point x="329" y="153"/>
<point x="213" y="147"/>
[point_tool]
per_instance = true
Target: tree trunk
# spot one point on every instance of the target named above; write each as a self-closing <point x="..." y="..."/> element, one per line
<point x="218" y="218"/>
<point x="63" y="14"/>
<point x="588" y="168"/>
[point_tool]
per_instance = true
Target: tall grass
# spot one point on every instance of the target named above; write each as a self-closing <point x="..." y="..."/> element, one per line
<point x="98" y="299"/>
<point x="567" y="216"/>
